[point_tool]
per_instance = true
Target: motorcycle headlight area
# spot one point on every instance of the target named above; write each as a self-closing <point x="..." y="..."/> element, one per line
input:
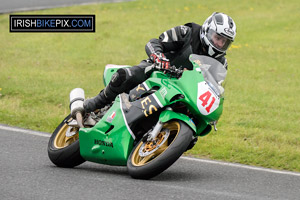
<point x="215" y="90"/>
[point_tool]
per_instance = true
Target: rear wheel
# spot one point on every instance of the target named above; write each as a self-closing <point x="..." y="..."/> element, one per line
<point x="150" y="158"/>
<point x="63" y="146"/>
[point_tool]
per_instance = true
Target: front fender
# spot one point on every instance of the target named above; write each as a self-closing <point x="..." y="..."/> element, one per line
<point x="167" y="115"/>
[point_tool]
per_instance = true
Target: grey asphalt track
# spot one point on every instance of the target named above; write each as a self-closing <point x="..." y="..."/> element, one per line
<point x="27" y="173"/>
<point x="10" y="6"/>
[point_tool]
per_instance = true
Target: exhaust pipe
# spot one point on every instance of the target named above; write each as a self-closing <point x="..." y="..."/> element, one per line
<point x="76" y="105"/>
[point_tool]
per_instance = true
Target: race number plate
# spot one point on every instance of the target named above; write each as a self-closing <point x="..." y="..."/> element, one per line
<point x="207" y="101"/>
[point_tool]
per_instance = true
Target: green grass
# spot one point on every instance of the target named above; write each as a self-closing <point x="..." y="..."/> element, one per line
<point x="261" y="119"/>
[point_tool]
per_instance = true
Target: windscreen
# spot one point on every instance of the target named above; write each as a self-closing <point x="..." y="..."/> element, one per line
<point x="213" y="72"/>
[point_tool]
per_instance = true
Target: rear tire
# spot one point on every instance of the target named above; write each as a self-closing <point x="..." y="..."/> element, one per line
<point x="169" y="151"/>
<point x="64" y="151"/>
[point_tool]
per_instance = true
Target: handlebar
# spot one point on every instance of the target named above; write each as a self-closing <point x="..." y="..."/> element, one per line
<point x="171" y="70"/>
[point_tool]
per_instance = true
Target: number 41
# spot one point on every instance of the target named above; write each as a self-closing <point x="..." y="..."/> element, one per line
<point x="205" y="98"/>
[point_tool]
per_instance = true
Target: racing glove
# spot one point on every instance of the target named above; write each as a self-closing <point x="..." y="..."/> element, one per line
<point x="160" y="60"/>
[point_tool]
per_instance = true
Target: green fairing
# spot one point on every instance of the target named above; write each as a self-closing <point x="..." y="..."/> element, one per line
<point x="186" y="85"/>
<point x="112" y="148"/>
<point x="110" y="141"/>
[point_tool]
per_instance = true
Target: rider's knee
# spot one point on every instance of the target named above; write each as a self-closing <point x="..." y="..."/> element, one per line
<point x="127" y="78"/>
<point x="118" y="78"/>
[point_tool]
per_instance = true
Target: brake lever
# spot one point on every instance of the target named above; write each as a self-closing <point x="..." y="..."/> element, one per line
<point x="172" y="70"/>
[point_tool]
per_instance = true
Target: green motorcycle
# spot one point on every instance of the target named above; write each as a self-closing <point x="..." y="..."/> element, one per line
<point x="148" y="129"/>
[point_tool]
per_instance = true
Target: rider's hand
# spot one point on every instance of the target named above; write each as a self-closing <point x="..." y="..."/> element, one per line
<point x="160" y="60"/>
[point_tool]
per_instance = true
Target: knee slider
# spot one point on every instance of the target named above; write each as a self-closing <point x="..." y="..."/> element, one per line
<point x="118" y="78"/>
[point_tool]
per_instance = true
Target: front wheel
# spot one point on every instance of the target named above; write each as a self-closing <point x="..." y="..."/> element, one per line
<point x="63" y="146"/>
<point x="148" y="159"/>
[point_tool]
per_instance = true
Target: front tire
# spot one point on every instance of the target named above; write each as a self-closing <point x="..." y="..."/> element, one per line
<point x="64" y="151"/>
<point x="147" y="161"/>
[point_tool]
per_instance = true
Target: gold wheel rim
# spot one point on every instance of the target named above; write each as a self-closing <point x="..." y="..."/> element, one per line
<point x="138" y="160"/>
<point x="61" y="140"/>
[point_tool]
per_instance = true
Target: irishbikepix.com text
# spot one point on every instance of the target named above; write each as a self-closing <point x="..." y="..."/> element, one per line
<point x="52" y="23"/>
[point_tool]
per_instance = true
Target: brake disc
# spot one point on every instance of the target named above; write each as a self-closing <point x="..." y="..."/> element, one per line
<point x="150" y="147"/>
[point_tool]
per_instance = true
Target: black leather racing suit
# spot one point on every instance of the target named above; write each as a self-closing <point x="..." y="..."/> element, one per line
<point x="176" y="44"/>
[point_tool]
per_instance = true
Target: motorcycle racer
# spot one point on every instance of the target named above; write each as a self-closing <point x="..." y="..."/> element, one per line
<point x="173" y="47"/>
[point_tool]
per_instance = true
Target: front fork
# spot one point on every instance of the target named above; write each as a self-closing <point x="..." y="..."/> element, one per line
<point x="156" y="130"/>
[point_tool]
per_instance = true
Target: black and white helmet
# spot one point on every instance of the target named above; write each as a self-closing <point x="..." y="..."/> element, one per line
<point x="217" y="34"/>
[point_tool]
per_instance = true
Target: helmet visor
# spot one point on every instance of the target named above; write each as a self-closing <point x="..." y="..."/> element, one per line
<point x="218" y="41"/>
